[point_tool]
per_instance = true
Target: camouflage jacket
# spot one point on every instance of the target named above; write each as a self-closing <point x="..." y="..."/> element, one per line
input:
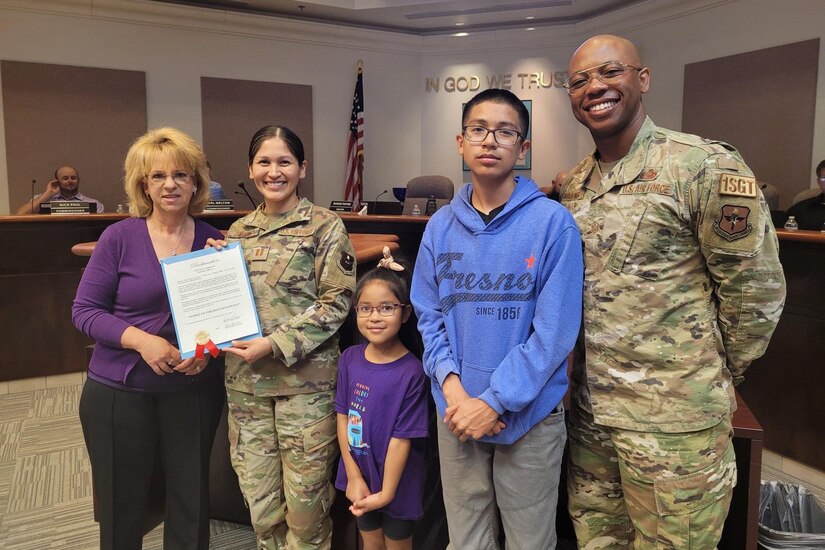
<point x="302" y="271"/>
<point x="682" y="287"/>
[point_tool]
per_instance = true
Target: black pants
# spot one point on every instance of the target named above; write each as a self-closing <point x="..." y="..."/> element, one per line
<point x="123" y="432"/>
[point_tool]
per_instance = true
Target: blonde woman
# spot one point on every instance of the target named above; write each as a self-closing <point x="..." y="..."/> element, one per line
<point x="140" y="396"/>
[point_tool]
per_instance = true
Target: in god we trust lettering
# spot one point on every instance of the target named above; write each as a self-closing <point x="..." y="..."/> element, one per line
<point x="473" y="83"/>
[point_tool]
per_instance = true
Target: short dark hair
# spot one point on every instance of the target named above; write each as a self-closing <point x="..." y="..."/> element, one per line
<point x="496" y="95"/>
<point x="820" y="167"/>
<point x="293" y="142"/>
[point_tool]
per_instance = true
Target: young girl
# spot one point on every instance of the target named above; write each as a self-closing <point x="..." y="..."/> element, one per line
<point x="382" y="403"/>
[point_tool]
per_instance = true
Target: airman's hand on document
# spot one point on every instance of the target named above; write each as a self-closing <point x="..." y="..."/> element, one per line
<point x="250" y="350"/>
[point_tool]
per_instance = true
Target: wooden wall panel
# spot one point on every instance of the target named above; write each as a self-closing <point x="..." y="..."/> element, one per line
<point x="233" y="110"/>
<point x="761" y="102"/>
<point x="85" y="117"/>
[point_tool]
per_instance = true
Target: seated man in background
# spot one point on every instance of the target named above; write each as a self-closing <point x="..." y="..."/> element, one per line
<point x="810" y="213"/>
<point x="64" y="187"/>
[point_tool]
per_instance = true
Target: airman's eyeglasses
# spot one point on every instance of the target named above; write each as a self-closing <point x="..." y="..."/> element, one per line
<point x="606" y="72"/>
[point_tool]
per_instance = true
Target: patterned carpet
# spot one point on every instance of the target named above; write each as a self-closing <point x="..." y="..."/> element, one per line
<point x="46" y="480"/>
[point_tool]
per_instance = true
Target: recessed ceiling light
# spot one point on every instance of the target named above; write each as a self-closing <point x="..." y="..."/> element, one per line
<point x="530" y="17"/>
<point x="462" y="34"/>
<point x="459" y="24"/>
<point x="530" y="29"/>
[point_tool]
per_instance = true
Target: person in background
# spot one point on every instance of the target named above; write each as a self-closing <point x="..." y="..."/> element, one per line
<point x="281" y="386"/>
<point x="552" y="190"/>
<point x="216" y="191"/>
<point x="810" y="213"/>
<point x="682" y="290"/>
<point x="64" y="187"/>
<point x="140" y="397"/>
<point x="382" y="408"/>
<point x="497" y="291"/>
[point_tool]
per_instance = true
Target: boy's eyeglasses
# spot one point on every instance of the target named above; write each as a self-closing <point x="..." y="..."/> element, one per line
<point x="607" y="73"/>
<point x="503" y="136"/>
<point x="384" y="310"/>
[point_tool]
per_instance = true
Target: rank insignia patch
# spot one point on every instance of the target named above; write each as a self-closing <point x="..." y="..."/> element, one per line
<point x="733" y="222"/>
<point x="648" y="175"/>
<point x="259" y="253"/>
<point x="740" y="186"/>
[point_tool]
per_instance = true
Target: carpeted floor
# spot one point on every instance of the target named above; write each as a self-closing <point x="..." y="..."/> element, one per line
<point x="46" y="480"/>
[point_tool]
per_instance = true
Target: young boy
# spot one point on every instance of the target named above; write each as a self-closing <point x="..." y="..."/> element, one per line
<point x="497" y="289"/>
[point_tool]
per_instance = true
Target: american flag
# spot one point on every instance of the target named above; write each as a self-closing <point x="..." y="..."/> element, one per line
<point x="355" y="149"/>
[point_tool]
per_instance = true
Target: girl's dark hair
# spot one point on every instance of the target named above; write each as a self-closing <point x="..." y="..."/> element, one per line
<point x="399" y="284"/>
<point x="293" y="142"/>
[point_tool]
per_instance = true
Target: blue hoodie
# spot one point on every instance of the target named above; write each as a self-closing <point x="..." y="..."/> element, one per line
<point x="500" y="304"/>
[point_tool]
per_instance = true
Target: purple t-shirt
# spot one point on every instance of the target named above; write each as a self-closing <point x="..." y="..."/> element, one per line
<point x="383" y="401"/>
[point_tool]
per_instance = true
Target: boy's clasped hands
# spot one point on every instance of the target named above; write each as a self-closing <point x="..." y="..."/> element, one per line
<point x="467" y="416"/>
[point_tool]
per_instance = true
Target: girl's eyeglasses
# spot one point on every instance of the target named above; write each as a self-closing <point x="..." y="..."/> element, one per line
<point x="384" y="310"/>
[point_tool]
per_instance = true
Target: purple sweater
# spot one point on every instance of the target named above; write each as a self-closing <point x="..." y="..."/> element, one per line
<point x="122" y="286"/>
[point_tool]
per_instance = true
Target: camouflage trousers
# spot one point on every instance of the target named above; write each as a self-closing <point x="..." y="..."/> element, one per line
<point x="283" y="449"/>
<point x="646" y="490"/>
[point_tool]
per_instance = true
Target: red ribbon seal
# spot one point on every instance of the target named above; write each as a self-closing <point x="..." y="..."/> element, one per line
<point x="203" y="342"/>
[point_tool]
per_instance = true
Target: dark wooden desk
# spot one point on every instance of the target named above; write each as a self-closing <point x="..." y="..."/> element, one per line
<point x="408" y="228"/>
<point x="39" y="277"/>
<point x="784" y="388"/>
<point x="741" y="526"/>
<point x="367" y="247"/>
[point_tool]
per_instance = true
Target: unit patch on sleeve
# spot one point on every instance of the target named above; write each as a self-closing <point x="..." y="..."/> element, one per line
<point x="733" y="222"/>
<point x="738" y="185"/>
<point x="347" y="262"/>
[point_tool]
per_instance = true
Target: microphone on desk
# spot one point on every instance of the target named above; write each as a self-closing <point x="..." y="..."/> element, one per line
<point x="34" y="182"/>
<point x="375" y="202"/>
<point x="245" y="192"/>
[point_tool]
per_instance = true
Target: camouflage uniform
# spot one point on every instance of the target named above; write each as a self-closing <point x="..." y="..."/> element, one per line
<point x="682" y="290"/>
<point x="282" y="424"/>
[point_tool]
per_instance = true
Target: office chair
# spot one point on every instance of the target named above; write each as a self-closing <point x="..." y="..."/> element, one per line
<point x="422" y="188"/>
<point x="770" y="193"/>
<point x="806" y="194"/>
